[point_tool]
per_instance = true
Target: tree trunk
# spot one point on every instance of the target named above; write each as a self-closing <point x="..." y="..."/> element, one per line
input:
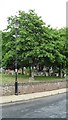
<point x="60" y="71"/>
<point x="30" y="71"/>
<point x="49" y="74"/>
<point x="22" y="72"/>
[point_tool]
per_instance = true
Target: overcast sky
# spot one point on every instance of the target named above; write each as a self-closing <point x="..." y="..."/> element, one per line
<point x="53" y="12"/>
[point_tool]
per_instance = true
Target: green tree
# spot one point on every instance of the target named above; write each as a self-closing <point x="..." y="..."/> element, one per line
<point x="37" y="44"/>
<point x="59" y="49"/>
<point x="8" y="54"/>
<point x="30" y="30"/>
<point x="0" y="48"/>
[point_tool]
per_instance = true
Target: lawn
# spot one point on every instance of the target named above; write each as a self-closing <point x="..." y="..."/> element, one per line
<point x="10" y="79"/>
<point x="43" y="78"/>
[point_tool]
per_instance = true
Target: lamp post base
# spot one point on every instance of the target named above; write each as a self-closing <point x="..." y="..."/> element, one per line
<point x="16" y="88"/>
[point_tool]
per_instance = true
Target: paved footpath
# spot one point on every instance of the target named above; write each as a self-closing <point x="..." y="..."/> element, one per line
<point x="16" y="98"/>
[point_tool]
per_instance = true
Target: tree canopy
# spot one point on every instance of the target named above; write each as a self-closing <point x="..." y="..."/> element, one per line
<point x="37" y="43"/>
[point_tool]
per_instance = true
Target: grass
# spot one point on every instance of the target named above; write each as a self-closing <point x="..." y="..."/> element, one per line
<point x="10" y="79"/>
<point x="43" y="78"/>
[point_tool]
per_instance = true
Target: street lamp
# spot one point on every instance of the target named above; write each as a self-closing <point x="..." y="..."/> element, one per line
<point x="16" y="26"/>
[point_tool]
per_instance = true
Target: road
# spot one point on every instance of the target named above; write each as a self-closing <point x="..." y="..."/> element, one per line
<point x="47" y="107"/>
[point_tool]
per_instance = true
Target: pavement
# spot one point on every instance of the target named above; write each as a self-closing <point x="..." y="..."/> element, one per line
<point x="17" y="98"/>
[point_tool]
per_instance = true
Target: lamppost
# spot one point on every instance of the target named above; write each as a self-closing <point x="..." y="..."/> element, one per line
<point x="16" y="26"/>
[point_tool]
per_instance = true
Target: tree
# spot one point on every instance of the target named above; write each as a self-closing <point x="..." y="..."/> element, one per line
<point x="59" y="49"/>
<point x="8" y="53"/>
<point x="0" y="48"/>
<point x="66" y="50"/>
<point x="30" y="27"/>
<point x="37" y="44"/>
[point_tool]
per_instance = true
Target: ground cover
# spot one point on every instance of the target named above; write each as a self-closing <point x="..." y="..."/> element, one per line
<point x="10" y="79"/>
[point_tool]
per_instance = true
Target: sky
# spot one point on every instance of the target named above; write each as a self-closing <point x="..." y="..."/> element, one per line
<point x="53" y="12"/>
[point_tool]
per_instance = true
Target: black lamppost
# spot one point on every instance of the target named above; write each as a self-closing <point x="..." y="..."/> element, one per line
<point x="16" y="26"/>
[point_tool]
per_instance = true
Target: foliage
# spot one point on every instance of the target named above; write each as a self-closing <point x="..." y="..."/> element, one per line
<point x="36" y="43"/>
<point x="0" y="48"/>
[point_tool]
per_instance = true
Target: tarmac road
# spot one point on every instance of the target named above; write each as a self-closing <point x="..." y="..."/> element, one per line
<point x="46" y="107"/>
